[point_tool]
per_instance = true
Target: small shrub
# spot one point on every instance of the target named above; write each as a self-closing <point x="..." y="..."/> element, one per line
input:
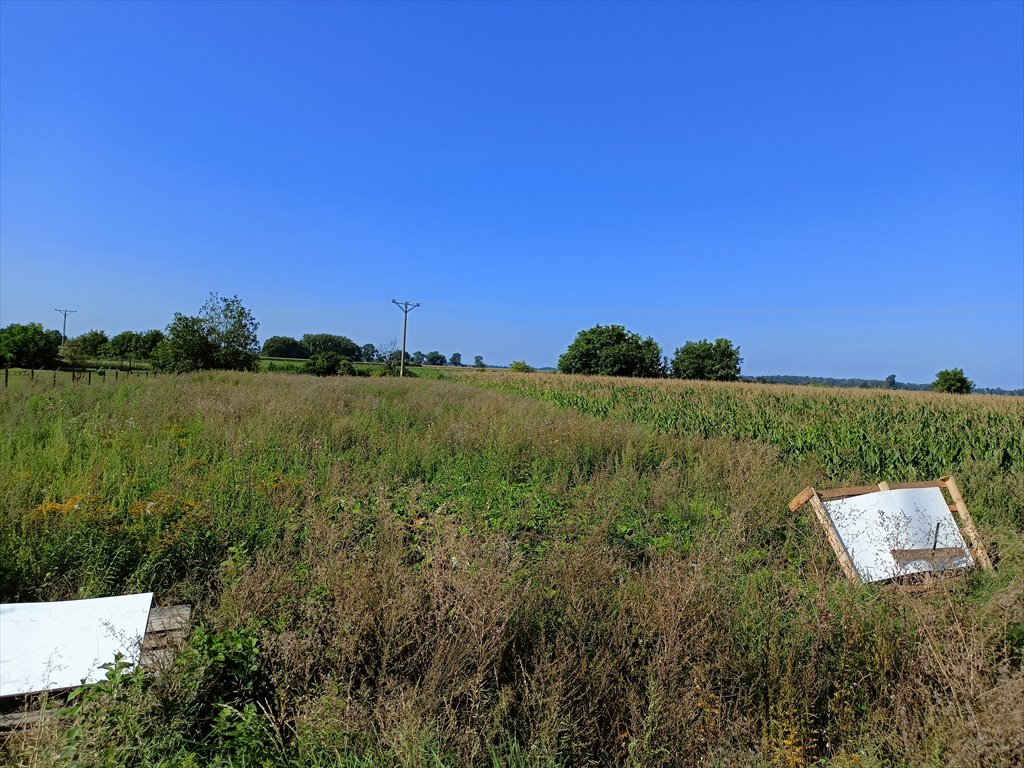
<point x="325" y="364"/>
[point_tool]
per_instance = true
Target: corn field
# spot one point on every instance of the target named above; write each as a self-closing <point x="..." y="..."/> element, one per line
<point x="852" y="434"/>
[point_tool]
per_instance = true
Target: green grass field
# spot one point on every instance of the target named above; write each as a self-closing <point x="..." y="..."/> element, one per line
<point x="500" y="570"/>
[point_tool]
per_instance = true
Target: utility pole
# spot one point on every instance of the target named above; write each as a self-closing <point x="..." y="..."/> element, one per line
<point x="406" y="307"/>
<point x="64" y="330"/>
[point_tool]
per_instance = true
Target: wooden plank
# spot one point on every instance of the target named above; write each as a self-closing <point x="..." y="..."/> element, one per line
<point x="157" y="658"/>
<point x="967" y="524"/>
<point x="801" y="498"/>
<point x="833" y="538"/>
<point x="167" y="629"/>
<point x="169" y="618"/>
<point x="162" y="640"/>
<point x="29" y="718"/>
<point x="940" y="483"/>
<point x="839" y="493"/>
<point x="857" y="490"/>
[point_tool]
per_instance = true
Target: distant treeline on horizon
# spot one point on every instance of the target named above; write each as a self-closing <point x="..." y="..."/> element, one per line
<point x="822" y="381"/>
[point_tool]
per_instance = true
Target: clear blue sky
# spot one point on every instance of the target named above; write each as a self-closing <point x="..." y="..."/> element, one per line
<point x="838" y="188"/>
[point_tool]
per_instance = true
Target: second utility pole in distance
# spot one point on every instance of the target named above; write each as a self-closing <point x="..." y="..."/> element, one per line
<point x="64" y="331"/>
<point x="406" y="307"/>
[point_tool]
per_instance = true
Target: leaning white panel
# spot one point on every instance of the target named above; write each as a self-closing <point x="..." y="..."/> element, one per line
<point x="45" y="646"/>
<point x="875" y="528"/>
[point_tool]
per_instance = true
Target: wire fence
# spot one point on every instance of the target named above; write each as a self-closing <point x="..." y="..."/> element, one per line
<point x="74" y="375"/>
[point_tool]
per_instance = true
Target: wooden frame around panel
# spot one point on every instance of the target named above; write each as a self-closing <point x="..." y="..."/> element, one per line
<point x="958" y="507"/>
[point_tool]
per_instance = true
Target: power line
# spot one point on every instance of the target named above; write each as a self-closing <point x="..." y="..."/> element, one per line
<point x="406" y="307"/>
<point x="754" y="310"/>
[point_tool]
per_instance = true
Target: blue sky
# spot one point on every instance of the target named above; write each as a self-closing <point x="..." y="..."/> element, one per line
<point x="838" y="188"/>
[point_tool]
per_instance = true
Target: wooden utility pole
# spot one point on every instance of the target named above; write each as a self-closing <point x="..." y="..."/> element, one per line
<point x="64" y="330"/>
<point x="406" y="307"/>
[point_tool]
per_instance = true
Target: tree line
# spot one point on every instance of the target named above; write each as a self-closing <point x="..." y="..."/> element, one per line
<point x="223" y="336"/>
<point x="313" y="344"/>
<point x="611" y="350"/>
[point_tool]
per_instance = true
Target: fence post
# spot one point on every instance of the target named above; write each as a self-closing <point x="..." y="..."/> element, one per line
<point x="55" y="377"/>
<point x="116" y="371"/>
<point x="32" y="374"/>
<point x="89" y="379"/>
<point x="6" y="371"/>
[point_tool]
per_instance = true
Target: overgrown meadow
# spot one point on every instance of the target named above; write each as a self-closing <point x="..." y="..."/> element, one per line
<point x="503" y="570"/>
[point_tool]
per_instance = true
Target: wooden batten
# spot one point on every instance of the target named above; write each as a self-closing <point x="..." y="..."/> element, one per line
<point x="967" y="525"/>
<point x="801" y="498"/>
<point x="809" y="494"/>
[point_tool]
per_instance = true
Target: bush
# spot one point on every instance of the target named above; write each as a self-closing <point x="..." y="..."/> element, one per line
<point x="520" y="366"/>
<point x="718" y="361"/>
<point x="953" y="381"/>
<point x="325" y="364"/>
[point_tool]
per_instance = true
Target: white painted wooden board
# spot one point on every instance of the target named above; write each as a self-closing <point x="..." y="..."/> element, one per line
<point x="873" y="524"/>
<point x="46" y="646"/>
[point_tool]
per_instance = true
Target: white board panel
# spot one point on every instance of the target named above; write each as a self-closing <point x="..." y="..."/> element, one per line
<point x="44" y="646"/>
<point x="870" y="526"/>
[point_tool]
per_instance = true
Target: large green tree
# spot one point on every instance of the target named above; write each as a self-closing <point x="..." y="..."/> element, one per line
<point x="284" y="346"/>
<point x="130" y="345"/>
<point x="88" y="346"/>
<point x="148" y="341"/>
<point x="954" y="381"/>
<point x="611" y="350"/>
<point x="187" y="347"/>
<point x="223" y="335"/>
<point x="329" y="342"/>
<point x="434" y="358"/>
<point x="232" y="330"/>
<point x="711" y="361"/>
<point x="124" y="345"/>
<point x="29" y="346"/>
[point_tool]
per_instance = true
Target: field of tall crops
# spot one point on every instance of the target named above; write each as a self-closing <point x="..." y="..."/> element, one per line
<point x="510" y="570"/>
<point x="851" y="435"/>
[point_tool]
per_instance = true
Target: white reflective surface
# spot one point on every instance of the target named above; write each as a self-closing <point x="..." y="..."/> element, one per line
<point x="872" y="525"/>
<point x="57" y="645"/>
